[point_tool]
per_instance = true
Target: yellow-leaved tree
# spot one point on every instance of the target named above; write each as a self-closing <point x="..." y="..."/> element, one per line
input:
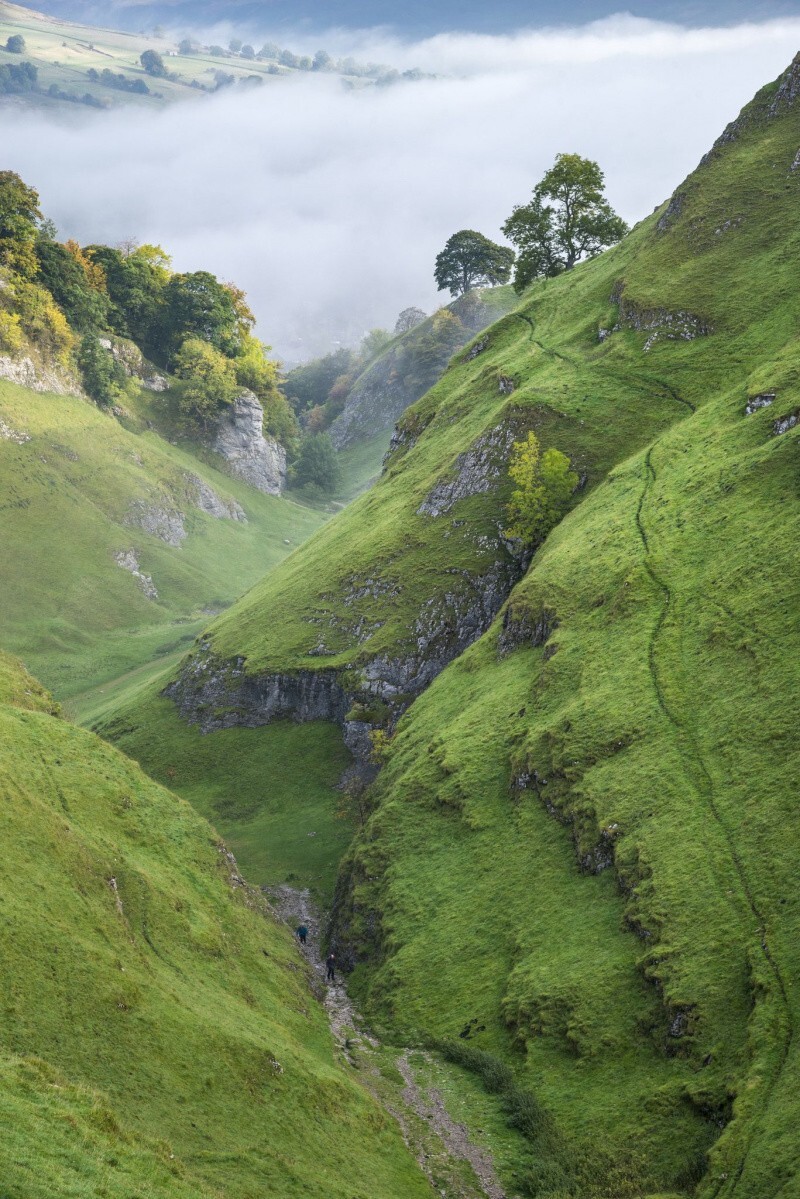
<point x="544" y="486"/>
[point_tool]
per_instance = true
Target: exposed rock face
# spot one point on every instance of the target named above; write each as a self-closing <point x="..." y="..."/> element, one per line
<point x="522" y="627"/>
<point x="127" y="560"/>
<point x="206" y="499"/>
<point x="36" y="377"/>
<point x="796" y="163"/>
<point x="134" y="363"/>
<point x="672" y="212"/>
<point x="252" y="457"/>
<point x="216" y="694"/>
<point x="406" y="434"/>
<point x="760" y="401"/>
<point x="478" y="470"/>
<point x="477" y="349"/>
<point x="377" y="400"/>
<point x="788" y="90"/>
<point x="15" y="435"/>
<point x="445" y="627"/>
<point x="160" y="520"/>
<point x="660" y="323"/>
<point x="785" y="423"/>
<point x="219" y="695"/>
<point x="402" y="439"/>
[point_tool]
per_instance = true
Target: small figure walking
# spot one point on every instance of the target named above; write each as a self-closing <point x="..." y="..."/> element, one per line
<point x="302" y="933"/>
<point x="330" y="963"/>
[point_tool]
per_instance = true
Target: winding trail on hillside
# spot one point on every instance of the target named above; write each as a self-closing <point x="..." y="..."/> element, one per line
<point x="640" y="380"/>
<point x="704" y="785"/>
<point x="437" y="1141"/>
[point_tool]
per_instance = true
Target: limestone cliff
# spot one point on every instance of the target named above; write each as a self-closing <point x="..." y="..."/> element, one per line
<point x="251" y="457"/>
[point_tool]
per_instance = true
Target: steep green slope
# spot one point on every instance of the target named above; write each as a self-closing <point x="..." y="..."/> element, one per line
<point x="582" y="847"/>
<point x="158" y="1034"/>
<point x="75" y="489"/>
<point x="610" y="773"/>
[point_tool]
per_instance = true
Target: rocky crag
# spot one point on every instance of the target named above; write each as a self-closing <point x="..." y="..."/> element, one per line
<point x="390" y="385"/>
<point x="250" y="456"/>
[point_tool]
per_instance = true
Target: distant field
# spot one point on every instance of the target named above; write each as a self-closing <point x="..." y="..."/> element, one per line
<point x="64" y="52"/>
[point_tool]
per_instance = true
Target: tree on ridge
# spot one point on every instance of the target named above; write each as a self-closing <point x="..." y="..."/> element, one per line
<point x="471" y="260"/>
<point x="568" y="218"/>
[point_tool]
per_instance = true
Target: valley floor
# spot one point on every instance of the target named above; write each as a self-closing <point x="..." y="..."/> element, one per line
<point x="406" y="1081"/>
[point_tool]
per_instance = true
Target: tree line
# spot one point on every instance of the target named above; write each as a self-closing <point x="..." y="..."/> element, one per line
<point x="64" y="298"/>
<point x="567" y="219"/>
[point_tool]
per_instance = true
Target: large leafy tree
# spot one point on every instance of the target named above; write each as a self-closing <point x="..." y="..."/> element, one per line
<point x="153" y="63"/>
<point x="318" y="464"/>
<point x="76" y="283"/>
<point x="471" y="260"/>
<point x="209" y="384"/>
<point x="136" y="280"/>
<point x="567" y="219"/>
<point x="198" y="305"/>
<point x="19" y="220"/>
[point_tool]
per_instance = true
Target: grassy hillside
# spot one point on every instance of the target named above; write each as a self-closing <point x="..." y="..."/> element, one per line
<point x="158" y="1033"/>
<point x="619" y="797"/>
<point x="581" y="855"/>
<point x="73" y="483"/>
<point x="63" y="52"/>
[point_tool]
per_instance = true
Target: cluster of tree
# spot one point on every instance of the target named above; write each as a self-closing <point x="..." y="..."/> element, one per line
<point x="27" y="309"/>
<point x="17" y="78"/>
<point x="318" y="390"/>
<point x="317" y="469"/>
<point x="567" y="219"/>
<point x="63" y="298"/>
<point x="23" y="78"/>
<point x="278" y="56"/>
<point x="15" y="44"/>
<point x="422" y="358"/>
<point x="115" y="79"/>
<point x="57" y="93"/>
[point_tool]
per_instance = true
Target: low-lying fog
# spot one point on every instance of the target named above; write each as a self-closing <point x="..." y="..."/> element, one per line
<point x="328" y="206"/>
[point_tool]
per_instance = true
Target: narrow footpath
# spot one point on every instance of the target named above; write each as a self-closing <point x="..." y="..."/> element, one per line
<point x="456" y="1167"/>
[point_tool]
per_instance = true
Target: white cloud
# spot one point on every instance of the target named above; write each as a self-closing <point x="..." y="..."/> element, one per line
<point x="329" y="206"/>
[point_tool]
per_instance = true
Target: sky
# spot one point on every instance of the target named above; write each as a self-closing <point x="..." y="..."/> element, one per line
<point x="329" y="206"/>
<point x="413" y="18"/>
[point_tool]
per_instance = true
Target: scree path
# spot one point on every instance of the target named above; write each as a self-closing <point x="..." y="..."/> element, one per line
<point x="456" y="1167"/>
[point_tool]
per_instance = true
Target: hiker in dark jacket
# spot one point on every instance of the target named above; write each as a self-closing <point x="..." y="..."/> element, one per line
<point x="330" y="963"/>
<point x="302" y="933"/>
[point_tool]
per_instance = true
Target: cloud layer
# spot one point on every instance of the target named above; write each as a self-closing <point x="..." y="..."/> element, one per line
<point x="329" y="206"/>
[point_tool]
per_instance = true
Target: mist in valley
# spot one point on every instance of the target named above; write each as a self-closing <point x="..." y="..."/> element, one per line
<point x="328" y="205"/>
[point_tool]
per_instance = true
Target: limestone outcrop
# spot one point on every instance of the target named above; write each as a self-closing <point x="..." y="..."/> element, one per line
<point x="251" y="457"/>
